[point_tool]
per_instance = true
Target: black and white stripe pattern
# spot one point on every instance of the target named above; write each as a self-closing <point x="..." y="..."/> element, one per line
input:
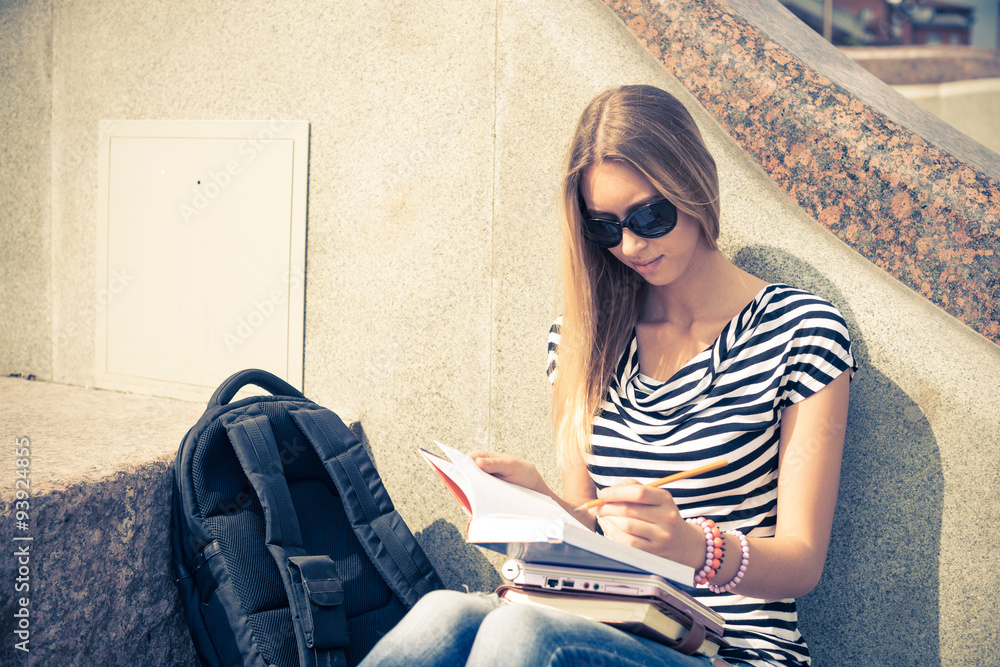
<point x="725" y="403"/>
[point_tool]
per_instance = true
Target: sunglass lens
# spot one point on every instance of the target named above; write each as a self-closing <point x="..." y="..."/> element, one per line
<point x="655" y="220"/>
<point x="604" y="234"/>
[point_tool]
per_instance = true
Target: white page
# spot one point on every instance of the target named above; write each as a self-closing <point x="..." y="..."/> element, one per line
<point x="493" y="497"/>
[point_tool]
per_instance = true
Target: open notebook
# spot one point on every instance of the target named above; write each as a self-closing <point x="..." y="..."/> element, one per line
<point x="534" y="528"/>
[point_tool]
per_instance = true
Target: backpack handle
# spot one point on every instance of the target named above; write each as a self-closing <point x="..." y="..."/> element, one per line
<point x="254" y="376"/>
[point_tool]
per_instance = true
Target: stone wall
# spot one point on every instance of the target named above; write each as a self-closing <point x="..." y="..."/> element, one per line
<point x="100" y="583"/>
<point x="25" y="188"/>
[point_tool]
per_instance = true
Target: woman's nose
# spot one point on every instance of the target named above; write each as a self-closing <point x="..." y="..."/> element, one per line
<point x="631" y="242"/>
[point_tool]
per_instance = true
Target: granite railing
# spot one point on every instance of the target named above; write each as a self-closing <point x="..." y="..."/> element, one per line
<point x="905" y="190"/>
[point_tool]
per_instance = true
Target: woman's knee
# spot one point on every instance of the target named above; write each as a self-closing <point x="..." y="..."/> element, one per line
<point x="439" y="630"/>
<point x="519" y="620"/>
<point x="450" y="608"/>
<point x="521" y="634"/>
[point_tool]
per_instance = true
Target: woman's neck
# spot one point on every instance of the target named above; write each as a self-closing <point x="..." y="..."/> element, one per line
<point x="713" y="288"/>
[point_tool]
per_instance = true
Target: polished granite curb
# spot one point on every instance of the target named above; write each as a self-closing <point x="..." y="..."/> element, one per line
<point x="920" y="213"/>
<point x="103" y="590"/>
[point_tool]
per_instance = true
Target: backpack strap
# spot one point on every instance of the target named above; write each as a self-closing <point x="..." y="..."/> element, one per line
<point x="375" y="520"/>
<point x="315" y="593"/>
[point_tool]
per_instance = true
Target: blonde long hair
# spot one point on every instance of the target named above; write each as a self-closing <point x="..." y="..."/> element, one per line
<point x="650" y="130"/>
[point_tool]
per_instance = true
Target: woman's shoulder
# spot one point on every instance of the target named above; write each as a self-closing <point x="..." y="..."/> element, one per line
<point x="805" y="320"/>
<point x="796" y="321"/>
<point x="812" y="336"/>
<point x="794" y="304"/>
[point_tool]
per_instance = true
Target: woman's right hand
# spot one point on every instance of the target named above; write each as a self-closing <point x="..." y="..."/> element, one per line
<point x="511" y="469"/>
<point x="647" y="518"/>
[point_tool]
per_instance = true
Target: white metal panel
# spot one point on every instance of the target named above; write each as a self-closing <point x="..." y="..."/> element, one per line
<point x="201" y="253"/>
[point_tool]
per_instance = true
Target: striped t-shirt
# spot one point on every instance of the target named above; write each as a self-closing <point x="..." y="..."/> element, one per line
<point x="725" y="403"/>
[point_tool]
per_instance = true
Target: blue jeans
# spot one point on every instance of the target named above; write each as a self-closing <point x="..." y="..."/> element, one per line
<point x="447" y="628"/>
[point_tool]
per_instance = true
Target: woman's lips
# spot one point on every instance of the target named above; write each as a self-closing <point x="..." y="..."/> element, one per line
<point x="647" y="267"/>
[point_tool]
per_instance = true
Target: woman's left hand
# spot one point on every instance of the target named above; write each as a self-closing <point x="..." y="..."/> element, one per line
<point x="511" y="469"/>
<point x="647" y="518"/>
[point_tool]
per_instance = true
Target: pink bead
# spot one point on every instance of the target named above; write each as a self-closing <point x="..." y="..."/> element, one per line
<point x="744" y="561"/>
<point x="711" y="533"/>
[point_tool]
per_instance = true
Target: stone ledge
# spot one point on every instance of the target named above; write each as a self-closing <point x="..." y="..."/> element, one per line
<point x="101" y="467"/>
<point x="86" y="435"/>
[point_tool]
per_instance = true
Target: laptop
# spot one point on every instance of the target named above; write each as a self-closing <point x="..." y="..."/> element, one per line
<point x="594" y="581"/>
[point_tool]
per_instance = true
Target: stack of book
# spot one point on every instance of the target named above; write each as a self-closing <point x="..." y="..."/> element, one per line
<point x="557" y="562"/>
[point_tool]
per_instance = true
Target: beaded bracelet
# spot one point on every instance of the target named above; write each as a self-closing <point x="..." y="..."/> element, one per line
<point x="713" y="550"/>
<point x="743" y="565"/>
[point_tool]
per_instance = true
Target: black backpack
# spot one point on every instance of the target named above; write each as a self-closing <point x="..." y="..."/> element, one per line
<point x="287" y="548"/>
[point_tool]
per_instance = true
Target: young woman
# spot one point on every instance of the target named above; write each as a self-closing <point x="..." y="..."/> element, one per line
<point x="668" y="356"/>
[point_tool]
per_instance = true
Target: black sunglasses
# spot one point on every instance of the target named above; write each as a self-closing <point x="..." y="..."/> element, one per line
<point x="650" y="221"/>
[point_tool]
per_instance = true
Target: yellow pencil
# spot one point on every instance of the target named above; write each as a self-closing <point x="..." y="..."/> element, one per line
<point x="597" y="502"/>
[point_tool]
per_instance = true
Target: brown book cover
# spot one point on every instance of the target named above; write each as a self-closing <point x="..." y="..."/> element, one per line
<point x="638" y="616"/>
